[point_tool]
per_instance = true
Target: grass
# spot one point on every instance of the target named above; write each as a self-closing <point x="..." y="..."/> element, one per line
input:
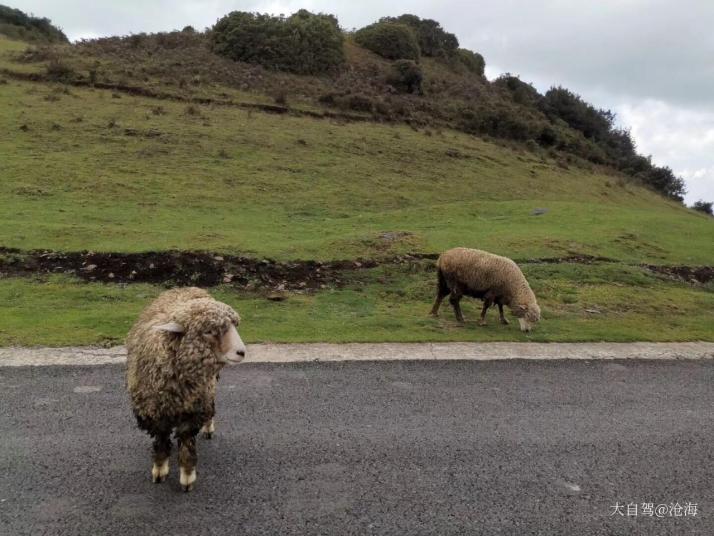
<point x="580" y="303"/>
<point x="85" y="169"/>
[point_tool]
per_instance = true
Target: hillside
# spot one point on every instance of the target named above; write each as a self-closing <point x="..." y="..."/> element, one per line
<point x="217" y="165"/>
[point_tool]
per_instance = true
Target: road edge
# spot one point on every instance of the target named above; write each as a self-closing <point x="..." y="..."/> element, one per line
<point x="327" y="352"/>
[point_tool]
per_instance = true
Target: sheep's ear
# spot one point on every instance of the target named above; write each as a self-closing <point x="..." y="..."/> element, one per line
<point x="172" y="327"/>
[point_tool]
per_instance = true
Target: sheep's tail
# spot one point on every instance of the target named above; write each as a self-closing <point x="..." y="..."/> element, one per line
<point x="441" y="283"/>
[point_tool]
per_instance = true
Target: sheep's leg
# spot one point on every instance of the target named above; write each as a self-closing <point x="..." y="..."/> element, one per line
<point x="208" y="429"/>
<point x="209" y="426"/>
<point x="455" y="300"/>
<point x="442" y="290"/>
<point x="162" y="451"/>
<point x="187" y="459"/>
<point x="487" y="302"/>
<point x="500" y="312"/>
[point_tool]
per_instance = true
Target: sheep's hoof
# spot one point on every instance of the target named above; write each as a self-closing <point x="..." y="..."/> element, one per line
<point x="187" y="479"/>
<point x="504" y="322"/>
<point x="207" y="435"/>
<point x="159" y="472"/>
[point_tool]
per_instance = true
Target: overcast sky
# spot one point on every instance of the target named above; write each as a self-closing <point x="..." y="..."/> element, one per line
<point x="650" y="61"/>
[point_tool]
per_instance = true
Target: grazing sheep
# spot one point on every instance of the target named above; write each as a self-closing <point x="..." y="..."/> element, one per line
<point x="483" y="275"/>
<point x="175" y="352"/>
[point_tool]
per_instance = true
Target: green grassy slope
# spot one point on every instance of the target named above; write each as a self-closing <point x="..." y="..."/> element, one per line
<point x="84" y="170"/>
<point x="88" y="169"/>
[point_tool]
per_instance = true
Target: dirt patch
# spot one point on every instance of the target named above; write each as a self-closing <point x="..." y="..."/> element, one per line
<point x="208" y="269"/>
<point x="181" y="268"/>
<point x="579" y="258"/>
<point x="689" y="274"/>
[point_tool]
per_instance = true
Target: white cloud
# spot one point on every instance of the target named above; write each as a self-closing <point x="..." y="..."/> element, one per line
<point x="680" y="138"/>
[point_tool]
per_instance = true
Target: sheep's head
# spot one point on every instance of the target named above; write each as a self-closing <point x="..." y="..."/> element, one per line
<point x="528" y="315"/>
<point x="207" y="323"/>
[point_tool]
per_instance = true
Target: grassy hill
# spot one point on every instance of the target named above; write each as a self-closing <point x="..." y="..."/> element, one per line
<point x="104" y="169"/>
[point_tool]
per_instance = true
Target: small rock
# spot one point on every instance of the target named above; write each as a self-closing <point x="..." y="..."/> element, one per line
<point x="592" y="311"/>
<point x="539" y="211"/>
<point x="275" y="296"/>
<point x="90" y="267"/>
<point x="111" y="275"/>
<point x="218" y="258"/>
<point x="228" y="278"/>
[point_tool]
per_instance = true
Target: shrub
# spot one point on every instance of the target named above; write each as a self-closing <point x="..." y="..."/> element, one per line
<point x="406" y="76"/>
<point x="566" y="105"/>
<point x="703" y="206"/>
<point x="390" y="40"/>
<point x="547" y="137"/>
<point x="473" y="61"/>
<point x="360" y="103"/>
<point x="16" y="24"/>
<point x="499" y="121"/>
<point x="521" y="92"/>
<point x="303" y="43"/>
<point x="432" y="39"/>
<point x="665" y="181"/>
<point x="59" y="71"/>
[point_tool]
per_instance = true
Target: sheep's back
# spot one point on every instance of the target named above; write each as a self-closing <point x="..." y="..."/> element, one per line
<point x="481" y="271"/>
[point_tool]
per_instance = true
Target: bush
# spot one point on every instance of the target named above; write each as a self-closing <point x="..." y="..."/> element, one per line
<point x="303" y="43"/>
<point x="499" y="121"/>
<point x="390" y="40"/>
<point x="432" y="39"/>
<point x="562" y="103"/>
<point x="473" y="61"/>
<point x="59" y="71"/>
<point x="16" y="24"/>
<point x="406" y="76"/>
<point x="665" y="181"/>
<point x="703" y="206"/>
<point x="521" y="92"/>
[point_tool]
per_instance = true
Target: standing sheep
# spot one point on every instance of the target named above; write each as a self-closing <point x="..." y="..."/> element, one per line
<point x="483" y="275"/>
<point x="175" y="352"/>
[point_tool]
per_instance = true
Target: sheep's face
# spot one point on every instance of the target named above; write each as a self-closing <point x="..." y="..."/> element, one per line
<point x="227" y="343"/>
<point x="528" y="316"/>
<point x="214" y="324"/>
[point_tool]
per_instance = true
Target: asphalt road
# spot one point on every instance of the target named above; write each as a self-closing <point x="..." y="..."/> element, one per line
<point x="507" y="447"/>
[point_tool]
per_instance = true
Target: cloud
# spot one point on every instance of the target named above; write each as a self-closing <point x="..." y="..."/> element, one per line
<point x="678" y="137"/>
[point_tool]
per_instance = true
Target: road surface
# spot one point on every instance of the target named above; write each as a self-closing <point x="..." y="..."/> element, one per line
<point x="404" y="448"/>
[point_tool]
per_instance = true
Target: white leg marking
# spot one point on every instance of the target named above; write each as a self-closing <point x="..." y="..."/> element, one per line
<point x="159" y="472"/>
<point x="208" y="429"/>
<point x="187" y="479"/>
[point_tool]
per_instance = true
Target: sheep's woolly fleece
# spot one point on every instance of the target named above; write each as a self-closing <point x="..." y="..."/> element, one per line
<point x="481" y="271"/>
<point x="167" y="375"/>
